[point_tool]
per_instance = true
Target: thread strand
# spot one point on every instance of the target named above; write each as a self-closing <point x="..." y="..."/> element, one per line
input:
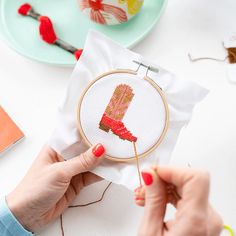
<point x="61" y="224"/>
<point x="137" y="163"/>
<point x="206" y="58"/>
<point x="83" y="205"/>
<point x="91" y="203"/>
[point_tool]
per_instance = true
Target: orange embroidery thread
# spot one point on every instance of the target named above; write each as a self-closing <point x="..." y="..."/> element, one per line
<point x="232" y="55"/>
<point x="137" y="163"/>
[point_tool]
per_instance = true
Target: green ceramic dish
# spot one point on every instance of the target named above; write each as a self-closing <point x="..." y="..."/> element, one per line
<point x="21" y="33"/>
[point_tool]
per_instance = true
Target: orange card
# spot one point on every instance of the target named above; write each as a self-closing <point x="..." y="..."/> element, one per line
<point x="9" y="131"/>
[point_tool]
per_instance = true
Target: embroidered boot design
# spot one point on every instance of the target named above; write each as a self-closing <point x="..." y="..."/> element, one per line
<point x="115" y="111"/>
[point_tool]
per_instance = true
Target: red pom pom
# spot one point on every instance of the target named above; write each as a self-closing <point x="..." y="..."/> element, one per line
<point x="46" y="30"/>
<point x="78" y="54"/>
<point x="24" y="9"/>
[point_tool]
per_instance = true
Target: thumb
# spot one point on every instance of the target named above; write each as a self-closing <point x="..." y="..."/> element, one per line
<point x="155" y="203"/>
<point x="85" y="161"/>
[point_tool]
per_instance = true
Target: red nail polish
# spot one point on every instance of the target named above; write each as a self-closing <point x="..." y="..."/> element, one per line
<point x="98" y="150"/>
<point x="147" y="178"/>
<point x="139" y="199"/>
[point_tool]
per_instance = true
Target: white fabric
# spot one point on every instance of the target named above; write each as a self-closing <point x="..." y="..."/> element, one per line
<point x="230" y="40"/>
<point x="100" y="55"/>
<point x="231" y="72"/>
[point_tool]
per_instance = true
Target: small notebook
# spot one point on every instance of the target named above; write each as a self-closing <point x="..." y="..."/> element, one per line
<point x="10" y="133"/>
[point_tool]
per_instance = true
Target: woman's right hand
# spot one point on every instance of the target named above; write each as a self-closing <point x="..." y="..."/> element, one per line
<point x="188" y="191"/>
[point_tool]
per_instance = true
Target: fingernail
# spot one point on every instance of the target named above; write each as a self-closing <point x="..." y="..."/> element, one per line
<point x="139" y="199"/>
<point x="98" y="150"/>
<point x="147" y="178"/>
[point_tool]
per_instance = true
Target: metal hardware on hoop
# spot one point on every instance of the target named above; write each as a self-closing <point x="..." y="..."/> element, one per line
<point x="139" y="65"/>
<point x="148" y="68"/>
<point x="151" y="68"/>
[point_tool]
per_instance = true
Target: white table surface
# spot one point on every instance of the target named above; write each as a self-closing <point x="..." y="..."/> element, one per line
<point x="30" y="92"/>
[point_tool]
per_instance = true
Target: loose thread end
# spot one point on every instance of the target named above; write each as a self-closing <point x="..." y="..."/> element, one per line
<point x="61" y="225"/>
<point x="137" y="163"/>
<point x="205" y="58"/>
<point x="84" y="205"/>
<point x="190" y="57"/>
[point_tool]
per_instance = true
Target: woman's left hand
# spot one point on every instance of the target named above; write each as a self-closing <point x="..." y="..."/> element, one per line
<point x="51" y="185"/>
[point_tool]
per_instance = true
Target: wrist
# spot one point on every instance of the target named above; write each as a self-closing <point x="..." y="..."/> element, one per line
<point x="9" y="225"/>
<point x="19" y="210"/>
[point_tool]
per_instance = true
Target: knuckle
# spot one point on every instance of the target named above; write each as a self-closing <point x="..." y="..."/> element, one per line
<point x="200" y="220"/>
<point x="86" y="161"/>
<point x="155" y="200"/>
<point x="61" y="174"/>
<point x="203" y="177"/>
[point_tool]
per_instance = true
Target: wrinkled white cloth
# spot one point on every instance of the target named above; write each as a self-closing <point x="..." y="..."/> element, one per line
<point x="100" y="55"/>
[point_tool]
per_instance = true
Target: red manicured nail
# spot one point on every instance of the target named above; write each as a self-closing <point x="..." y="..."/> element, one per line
<point x="147" y="178"/>
<point x="139" y="199"/>
<point x="98" y="150"/>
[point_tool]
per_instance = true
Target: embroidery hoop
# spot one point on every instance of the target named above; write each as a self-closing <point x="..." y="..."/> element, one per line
<point x="153" y="84"/>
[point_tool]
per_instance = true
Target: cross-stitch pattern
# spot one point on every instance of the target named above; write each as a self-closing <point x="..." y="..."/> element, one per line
<point x="115" y="111"/>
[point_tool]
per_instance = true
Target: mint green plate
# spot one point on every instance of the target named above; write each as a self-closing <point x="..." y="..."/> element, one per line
<point x="21" y="33"/>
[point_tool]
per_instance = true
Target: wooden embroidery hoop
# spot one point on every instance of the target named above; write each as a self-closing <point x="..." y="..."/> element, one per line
<point x="152" y="83"/>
